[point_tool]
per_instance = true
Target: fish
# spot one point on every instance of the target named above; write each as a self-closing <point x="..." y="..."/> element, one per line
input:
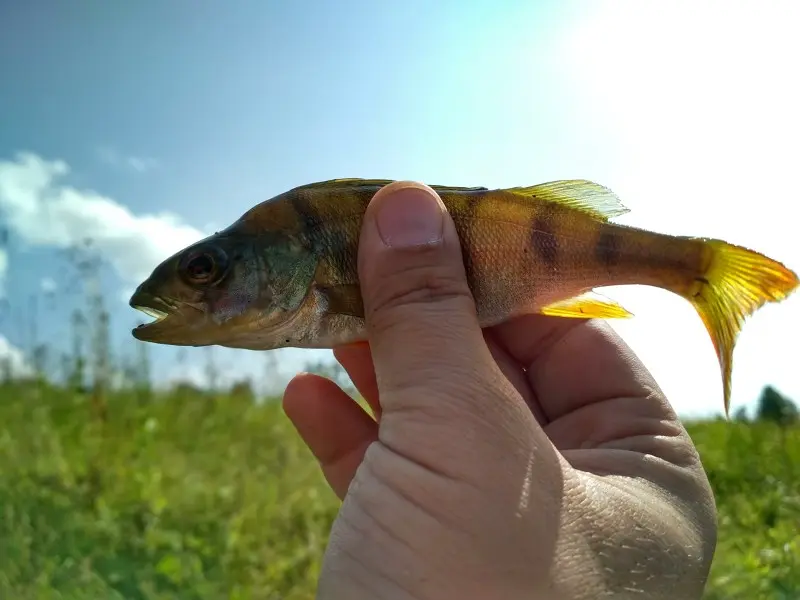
<point x="284" y="274"/>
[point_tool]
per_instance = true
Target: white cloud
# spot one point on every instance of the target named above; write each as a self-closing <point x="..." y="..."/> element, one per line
<point x="48" y="285"/>
<point x="696" y="105"/>
<point x="141" y="164"/>
<point x="12" y="360"/>
<point x="42" y="211"/>
<point x="112" y="157"/>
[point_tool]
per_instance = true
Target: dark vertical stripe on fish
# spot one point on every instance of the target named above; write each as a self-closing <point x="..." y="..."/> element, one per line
<point x="466" y="222"/>
<point x="305" y="210"/>
<point x="308" y="217"/>
<point x="473" y="202"/>
<point x="342" y="253"/>
<point x="607" y="248"/>
<point x="543" y="237"/>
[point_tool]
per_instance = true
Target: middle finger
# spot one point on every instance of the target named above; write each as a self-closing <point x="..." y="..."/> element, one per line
<point x="356" y="359"/>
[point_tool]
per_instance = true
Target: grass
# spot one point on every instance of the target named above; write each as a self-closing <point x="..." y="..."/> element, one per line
<point x="754" y="470"/>
<point x="125" y="493"/>
<point x="190" y="496"/>
<point x="193" y="495"/>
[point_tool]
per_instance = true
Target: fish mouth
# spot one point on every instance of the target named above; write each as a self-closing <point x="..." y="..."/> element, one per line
<point x="161" y="310"/>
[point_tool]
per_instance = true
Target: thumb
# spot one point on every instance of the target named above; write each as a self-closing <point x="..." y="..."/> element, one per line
<point x="420" y="314"/>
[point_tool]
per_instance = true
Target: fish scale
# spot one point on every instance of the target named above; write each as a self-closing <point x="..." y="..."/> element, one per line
<point x="285" y="274"/>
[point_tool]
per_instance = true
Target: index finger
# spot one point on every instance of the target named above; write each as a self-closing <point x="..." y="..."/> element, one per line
<point x="572" y="363"/>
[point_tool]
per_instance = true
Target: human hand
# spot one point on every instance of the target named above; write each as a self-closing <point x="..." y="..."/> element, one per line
<point x="535" y="459"/>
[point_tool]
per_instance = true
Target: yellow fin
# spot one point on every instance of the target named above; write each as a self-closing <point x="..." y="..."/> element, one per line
<point x="578" y="194"/>
<point x="737" y="282"/>
<point x="586" y="306"/>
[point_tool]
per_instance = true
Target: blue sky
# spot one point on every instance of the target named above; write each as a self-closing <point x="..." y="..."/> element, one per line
<point x="148" y="124"/>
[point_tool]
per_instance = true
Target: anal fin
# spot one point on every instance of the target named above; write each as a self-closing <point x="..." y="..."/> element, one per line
<point x="590" y="305"/>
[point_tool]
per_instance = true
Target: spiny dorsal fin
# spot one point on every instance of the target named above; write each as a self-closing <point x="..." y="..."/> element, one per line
<point x="344" y="182"/>
<point x="356" y="182"/>
<point x="579" y="194"/>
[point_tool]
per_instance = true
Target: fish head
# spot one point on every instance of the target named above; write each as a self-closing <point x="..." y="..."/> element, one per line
<point x="229" y="289"/>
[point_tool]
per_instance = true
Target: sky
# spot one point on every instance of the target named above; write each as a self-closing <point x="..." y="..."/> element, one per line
<point x="146" y="126"/>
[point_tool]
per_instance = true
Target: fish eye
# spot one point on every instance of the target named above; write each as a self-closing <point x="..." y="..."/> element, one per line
<point x="204" y="266"/>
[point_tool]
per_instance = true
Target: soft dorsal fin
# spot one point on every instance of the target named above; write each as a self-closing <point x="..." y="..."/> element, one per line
<point x="356" y="182"/>
<point x="579" y="194"/>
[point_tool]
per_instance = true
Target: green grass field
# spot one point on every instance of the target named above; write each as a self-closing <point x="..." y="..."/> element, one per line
<point x="196" y="496"/>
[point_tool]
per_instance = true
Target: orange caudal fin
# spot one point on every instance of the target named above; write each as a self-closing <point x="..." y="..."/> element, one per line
<point x="737" y="282"/>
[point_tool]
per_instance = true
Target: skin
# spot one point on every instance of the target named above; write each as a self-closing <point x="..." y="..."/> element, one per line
<point x="534" y="459"/>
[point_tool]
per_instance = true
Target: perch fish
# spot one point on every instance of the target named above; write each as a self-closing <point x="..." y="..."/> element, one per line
<point x="284" y="274"/>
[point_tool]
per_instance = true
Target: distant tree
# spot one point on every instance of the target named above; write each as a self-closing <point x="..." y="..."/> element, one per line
<point x="333" y="371"/>
<point x="188" y="388"/>
<point x="242" y="389"/>
<point x="740" y="414"/>
<point x="774" y="406"/>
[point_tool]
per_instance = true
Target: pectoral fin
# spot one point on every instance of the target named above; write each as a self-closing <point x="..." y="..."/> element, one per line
<point x="344" y="299"/>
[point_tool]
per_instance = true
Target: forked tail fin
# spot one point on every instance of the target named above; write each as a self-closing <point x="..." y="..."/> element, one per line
<point x="737" y="283"/>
